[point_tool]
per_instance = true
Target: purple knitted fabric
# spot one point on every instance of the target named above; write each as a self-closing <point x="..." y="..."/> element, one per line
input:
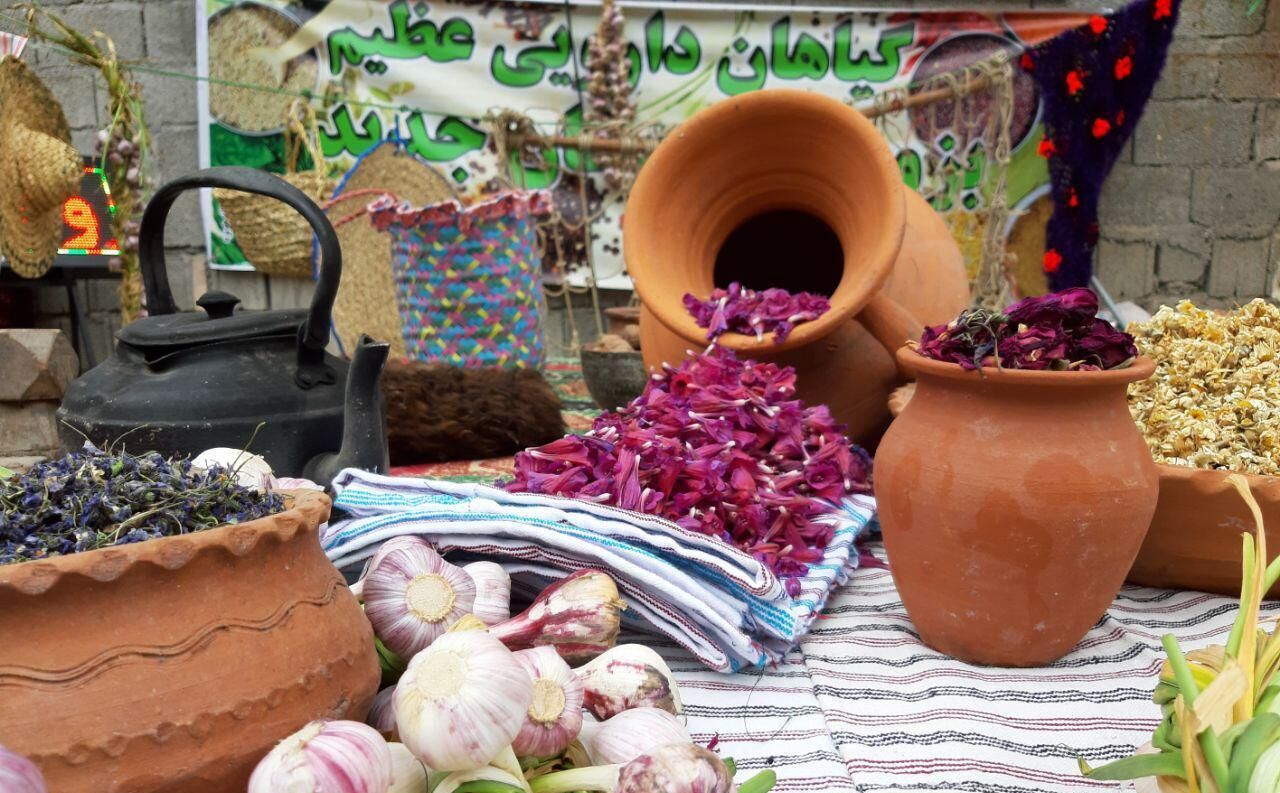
<point x="1095" y="81"/>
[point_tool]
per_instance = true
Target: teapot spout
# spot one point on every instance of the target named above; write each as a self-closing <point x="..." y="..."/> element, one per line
<point x="364" y="432"/>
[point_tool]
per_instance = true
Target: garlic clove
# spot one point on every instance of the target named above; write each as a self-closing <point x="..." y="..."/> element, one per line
<point x="493" y="592"/>
<point x="579" y="615"/>
<point x="326" y="757"/>
<point x="382" y="716"/>
<point x="408" y="774"/>
<point x="19" y="775"/>
<point x="630" y="734"/>
<point x="250" y="470"/>
<point x="628" y="676"/>
<point x="461" y="701"/>
<point x="676" y="768"/>
<point x="412" y="595"/>
<point x="554" y="717"/>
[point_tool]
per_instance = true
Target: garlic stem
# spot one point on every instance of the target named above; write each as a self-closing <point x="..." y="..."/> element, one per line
<point x="599" y="777"/>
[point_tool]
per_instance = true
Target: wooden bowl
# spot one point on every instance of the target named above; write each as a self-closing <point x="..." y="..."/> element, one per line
<point x="1194" y="540"/>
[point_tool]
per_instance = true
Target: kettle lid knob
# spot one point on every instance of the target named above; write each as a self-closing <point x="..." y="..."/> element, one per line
<point x="218" y="305"/>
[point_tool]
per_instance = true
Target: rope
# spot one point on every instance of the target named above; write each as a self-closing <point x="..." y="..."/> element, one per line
<point x="993" y="286"/>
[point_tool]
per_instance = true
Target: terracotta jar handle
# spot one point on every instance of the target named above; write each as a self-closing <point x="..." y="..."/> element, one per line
<point x="890" y="324"/>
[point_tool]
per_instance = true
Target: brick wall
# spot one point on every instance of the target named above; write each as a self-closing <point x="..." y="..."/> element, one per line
<point x="1192" y="209"/>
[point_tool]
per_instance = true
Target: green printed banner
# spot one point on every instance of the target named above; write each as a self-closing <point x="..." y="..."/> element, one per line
<point x="429" y="73"/>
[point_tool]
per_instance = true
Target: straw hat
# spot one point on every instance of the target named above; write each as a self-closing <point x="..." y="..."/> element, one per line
<point x="39" y="170"/>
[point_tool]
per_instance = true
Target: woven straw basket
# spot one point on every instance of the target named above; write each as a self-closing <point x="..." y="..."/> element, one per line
<point x="274" y="238"/>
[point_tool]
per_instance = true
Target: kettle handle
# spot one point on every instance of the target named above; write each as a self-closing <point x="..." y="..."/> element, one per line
<point x="313" y="336"/>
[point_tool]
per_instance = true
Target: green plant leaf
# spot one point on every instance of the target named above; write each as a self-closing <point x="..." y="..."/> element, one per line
<point x="1136" y="767"/>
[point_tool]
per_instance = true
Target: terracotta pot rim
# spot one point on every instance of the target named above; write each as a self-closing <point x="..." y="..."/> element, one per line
<point x="1141" y="368"/>
<point x="583" y="352"/>
<point x="39" y="576"/>
<point x="845" y="303"/>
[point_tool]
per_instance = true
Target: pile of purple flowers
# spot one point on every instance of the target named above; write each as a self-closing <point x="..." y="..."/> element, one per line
<point x="721" y="447"/>
<point x="739" y="310"/>
<point x="93" y="499"/>
<point x="1057" y="331"/>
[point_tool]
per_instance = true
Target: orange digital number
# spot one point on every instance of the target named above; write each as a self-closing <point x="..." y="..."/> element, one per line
<point x="77" y="214"/>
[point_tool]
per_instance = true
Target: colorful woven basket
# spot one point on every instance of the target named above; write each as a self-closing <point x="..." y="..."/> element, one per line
<point x="467" y="279"/>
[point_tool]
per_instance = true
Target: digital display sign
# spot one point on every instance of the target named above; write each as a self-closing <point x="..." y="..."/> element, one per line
<point x="87" y="217"/>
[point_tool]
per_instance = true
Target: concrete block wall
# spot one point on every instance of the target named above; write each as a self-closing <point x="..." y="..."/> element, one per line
<point x="1192" y="210"/>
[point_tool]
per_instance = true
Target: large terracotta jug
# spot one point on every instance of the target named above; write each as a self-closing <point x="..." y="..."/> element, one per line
<point x="175" y="664"/>
<point x="792" y="189"/>
<point x="1012" y="504"/>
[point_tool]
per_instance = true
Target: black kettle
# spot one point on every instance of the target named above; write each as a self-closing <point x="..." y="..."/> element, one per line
<point x="182" y="382"/>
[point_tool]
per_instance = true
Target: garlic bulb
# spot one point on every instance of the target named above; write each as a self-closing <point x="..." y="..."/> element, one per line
<point x="408" y="774"/>
<point x="630" y="734"/>
<point x="628" y="676"/>
<point x="326" y="757"/>
<point x="412" y="595"/>
<point x="382" y="715"/>
<point x="579" y="615"/>
<point x="676" y="768"/>
<point x="554" y="717"/>
<point x="19" y="775"/>
<point x="250" y="470"/>
<point x="461" y="701"/>
<point x="493" y="592"/>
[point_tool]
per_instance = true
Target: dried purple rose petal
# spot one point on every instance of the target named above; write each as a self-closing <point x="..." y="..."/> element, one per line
<point x="746" y="311"/>
<point x="1055" y="331"/>
<point x="720" y="446"/>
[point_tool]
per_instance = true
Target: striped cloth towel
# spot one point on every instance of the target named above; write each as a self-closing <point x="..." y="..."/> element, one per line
<point x="721" y="604"/>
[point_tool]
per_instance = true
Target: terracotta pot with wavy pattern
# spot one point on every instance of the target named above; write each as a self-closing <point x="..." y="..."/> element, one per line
<point x="785" y="188"/>
<point x="175" y="664"/>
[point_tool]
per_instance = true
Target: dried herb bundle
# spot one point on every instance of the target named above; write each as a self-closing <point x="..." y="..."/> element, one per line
<point x="93" y="499"/>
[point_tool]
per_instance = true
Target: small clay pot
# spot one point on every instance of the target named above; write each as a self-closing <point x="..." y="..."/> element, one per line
<point x="1194" y="541"/>
<point x="1012" y="504"/>
<point x="618" y="318"/>
<point x="175" y="664"/>
<point x="613" y="378"/>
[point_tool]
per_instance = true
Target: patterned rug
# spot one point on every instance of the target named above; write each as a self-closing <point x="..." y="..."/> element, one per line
<point x="565" y="377"/>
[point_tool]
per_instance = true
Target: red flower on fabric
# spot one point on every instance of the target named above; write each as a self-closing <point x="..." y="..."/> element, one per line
<point x="1101" y="127"/>
<point x="1163" y="9"/>
<point x="1124" y="67"/>
<point x="1046" y="148"/>
<point x="1052" y="261"/>
<point x="1098" y="24"/>
<point x="1075" y="82"/>
<point x="1027" y="62"/>
<point x="1073" y="200"/>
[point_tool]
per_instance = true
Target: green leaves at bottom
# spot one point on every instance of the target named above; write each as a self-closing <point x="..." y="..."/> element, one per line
<point x="1136" y="767"/>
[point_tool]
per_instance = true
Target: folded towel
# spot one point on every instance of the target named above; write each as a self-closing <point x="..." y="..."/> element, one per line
<point x="723" y="605"/>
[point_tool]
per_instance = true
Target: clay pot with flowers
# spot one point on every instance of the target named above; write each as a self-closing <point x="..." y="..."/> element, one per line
<point x="1014" y="489"/>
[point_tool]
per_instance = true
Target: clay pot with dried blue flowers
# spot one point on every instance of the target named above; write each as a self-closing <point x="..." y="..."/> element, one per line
<point x="1013" y="503"/>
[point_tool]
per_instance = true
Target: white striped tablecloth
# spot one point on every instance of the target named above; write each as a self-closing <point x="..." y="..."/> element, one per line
<point x="866" y="707"/>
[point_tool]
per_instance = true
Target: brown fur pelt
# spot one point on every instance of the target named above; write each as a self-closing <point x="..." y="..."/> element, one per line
<point x="437" y="413"/>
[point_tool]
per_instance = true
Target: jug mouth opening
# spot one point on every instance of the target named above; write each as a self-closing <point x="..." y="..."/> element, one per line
<point x="789" y="249"/>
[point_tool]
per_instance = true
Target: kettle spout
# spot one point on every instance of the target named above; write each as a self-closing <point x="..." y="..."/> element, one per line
<point x="364" y="431"/>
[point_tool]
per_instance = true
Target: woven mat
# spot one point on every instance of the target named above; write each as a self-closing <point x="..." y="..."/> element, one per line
<point x="864" y="707"/>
